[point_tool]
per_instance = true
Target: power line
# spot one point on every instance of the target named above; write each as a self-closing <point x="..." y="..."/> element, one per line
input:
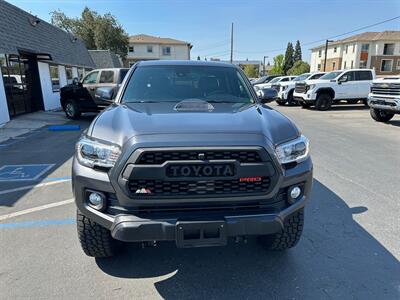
<point x="328" y="38"/>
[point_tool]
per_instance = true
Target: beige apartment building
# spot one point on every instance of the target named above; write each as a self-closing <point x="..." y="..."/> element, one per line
<point x="147" y="47"/>
<point x="370" y="50"/>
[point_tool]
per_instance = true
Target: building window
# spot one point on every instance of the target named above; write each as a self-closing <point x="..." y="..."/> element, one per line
<point x="106" y="77"/>
<point x="131" y="49"/>
<point x="149" y="49"/>
<point x="363" y="64"/>
<point x="333" y="65"/>
<point x="319" y="53"/>
<point x="398" y="64"/>
<point x="55" y="78"/>
<point x="351" y="65"/>
<point x="166" y="51"/>
<point x="319" y="67"/>
<point x="386" y="65"/>
<point x="364" y="47"/>
<point x="345" y="65"/>
<point x="388" y="49"/>
<point x="68" y="72"/>
<point x="347" y="48"/>
<point x="354" y="47"/>
<point x="335" y="49"/>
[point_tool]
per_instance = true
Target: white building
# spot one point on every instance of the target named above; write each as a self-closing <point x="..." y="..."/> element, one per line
<point x="372" y="50"/>
<point x="36" y="60"/>
<point x="146" y="47"/>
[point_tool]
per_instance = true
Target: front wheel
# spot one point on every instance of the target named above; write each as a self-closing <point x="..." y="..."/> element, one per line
<point x="380" y="115"/>
<point x="72" y="110"/>
<point x="96" y="241"/>
<point x="289" y="236"/>
<point x="324" y="102"/>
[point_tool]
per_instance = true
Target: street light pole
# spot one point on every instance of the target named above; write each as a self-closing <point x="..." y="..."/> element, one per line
<point x="264" y="65"/>
<point x="326" y="52"/>
<point x="232" y="43"/>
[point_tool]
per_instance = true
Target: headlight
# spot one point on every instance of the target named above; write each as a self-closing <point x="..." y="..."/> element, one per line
<point x="294" y="151"/>
<point x="311" y="87"/>
<point x="92" y="153"/>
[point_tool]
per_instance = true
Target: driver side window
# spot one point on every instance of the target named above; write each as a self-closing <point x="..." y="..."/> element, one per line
<point x="349" y="76"/>
<point x="91" y="78"/>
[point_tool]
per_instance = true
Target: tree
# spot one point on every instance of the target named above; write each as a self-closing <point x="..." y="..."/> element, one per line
<point x="277" y="69"/>
<point x="250" y="71"/>
<point x="288" y="63"/>
<point x="299" y="67"/>
<point x="297" y="52"/>
<point x="98" y="32"/>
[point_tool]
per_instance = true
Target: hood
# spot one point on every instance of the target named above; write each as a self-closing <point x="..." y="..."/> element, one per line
<point x="316" y="81"/>
<point x="120" y="122"/>
<point x="387" y="80"/>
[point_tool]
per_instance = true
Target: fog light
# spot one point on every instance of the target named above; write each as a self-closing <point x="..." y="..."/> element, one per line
<point x="294" y="193"/>
<point x="97" y="200"/>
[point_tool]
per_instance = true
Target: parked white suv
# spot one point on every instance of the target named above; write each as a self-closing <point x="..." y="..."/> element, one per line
<point x="274" y="82"/>
<point x="384" y="99"/>
<point x="350" y="85"/>
<point x="286" y="88"/>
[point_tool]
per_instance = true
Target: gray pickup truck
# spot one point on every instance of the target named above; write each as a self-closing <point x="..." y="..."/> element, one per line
<point x="188" y="152"/>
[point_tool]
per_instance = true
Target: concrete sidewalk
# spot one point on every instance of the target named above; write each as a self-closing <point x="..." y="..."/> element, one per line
<point x="26" y="123"/>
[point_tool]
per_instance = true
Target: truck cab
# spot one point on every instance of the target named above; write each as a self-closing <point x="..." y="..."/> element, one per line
<point x="350" y="85"/>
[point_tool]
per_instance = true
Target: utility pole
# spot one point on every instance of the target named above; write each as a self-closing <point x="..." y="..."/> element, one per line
<point x="264" y="65"/>
<point x="232" y="43"/>
<point x="326" y="52"/>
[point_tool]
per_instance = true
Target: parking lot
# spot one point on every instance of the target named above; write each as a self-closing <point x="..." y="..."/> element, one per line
<point x="350" y="248"/>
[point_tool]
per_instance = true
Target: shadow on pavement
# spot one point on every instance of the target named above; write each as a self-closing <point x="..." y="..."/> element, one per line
<point x="336" y="258"/>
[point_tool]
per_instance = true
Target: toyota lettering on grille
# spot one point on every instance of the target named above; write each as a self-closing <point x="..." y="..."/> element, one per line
<point x="201" y="170"/>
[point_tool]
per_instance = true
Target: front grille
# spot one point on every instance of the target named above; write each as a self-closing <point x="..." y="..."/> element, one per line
<point x="300" y="87"/>
<point x="386" y="88"/>
<point x="202" y="187"/>
<point x="160" y="157"/>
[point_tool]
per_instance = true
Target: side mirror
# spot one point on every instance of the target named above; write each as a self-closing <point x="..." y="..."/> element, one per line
<point x="267" y="95"/>
<point x="342" y="79"/>
<point x="105" y="93"/>
<point x="75" y="81"/>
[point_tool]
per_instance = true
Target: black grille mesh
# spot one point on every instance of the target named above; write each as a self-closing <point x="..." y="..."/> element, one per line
<point x="300" y="87"/>
<point x="159" y="157"/>
<point x="187" y="188"/>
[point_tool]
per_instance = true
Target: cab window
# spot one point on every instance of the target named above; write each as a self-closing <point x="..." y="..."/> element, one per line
<point x="363" y="75"/>
<point x="349" y="76"/>
<point x="106" y="77"/>
<point x="91" y="78"/>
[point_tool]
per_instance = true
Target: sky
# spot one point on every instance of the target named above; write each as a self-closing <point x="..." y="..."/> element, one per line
<point x="261" y="28"/>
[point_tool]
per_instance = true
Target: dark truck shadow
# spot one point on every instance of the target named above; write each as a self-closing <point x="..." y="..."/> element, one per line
<point x="336" y="258"/>
<point x="38" y="147"/>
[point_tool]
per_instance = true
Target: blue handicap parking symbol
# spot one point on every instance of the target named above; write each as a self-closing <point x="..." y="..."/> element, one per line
<point x="23" y="172"/>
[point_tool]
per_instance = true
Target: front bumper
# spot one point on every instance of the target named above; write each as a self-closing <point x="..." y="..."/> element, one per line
<point x="384" y="103"/>
<point x="308" y="97"/>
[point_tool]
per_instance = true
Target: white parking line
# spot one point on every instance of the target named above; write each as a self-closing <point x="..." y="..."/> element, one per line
<point x="28" y="187"/>
<point x="35" y="209"/>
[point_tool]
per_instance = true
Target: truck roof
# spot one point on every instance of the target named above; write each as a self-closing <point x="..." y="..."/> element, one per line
<point x="184" y="63"/>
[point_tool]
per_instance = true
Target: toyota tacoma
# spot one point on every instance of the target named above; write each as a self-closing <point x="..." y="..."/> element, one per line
<point x="188" y="152"/>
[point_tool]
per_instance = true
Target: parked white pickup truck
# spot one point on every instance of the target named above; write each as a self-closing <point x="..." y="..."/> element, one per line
<point x="350" y="85"/>
<point x="286" y="88"/>
<point x="384" y="99"/>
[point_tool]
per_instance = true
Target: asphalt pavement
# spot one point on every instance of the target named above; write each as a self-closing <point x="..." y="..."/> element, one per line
<point x="350" y="247"/>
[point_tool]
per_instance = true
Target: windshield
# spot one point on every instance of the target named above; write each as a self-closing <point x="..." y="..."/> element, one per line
<point x="331" y="75"/>
<point x="276" y="79"/>
<point x="176" y="83"/>
<point x="260" y="80"/>
<point x="302" y="77"/>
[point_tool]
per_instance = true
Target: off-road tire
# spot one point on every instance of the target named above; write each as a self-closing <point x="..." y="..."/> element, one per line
<point x="72" y="110"/>
<point x="324" y="102"/>
<point x="96" y="241"/>
<point x="380" y="115"/>
<point x="290" y="234"/>
<point x="281" y="102"/>
<point x="305" y="105"/>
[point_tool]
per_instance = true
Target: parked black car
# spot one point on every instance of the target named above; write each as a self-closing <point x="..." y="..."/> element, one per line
<point x="80" y="96"/>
